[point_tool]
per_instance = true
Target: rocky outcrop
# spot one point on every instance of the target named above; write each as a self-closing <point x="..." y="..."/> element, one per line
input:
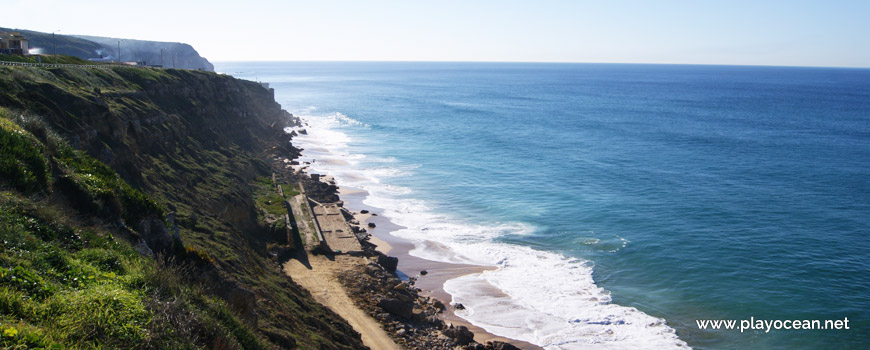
<point x="318" y="190"/>
<point x="410" y="318"/>
<point x="389" y="263"/>
<point x="497" y="345"/>
<point x="460" y="334"/>
<point x="155" y="234"/>
<point x="396" y="307"/>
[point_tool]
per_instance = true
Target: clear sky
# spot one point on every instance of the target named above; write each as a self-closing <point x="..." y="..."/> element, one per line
<point x="804" y="33"/>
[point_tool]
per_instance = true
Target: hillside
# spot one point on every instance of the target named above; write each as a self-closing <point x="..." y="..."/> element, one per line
<point x="173" y="55"/>
<point x="85" y="47"/>
<point x="133" y="195"/>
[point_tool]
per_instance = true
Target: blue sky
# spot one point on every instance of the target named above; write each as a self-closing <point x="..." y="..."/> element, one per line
<point x="802" y="33"/>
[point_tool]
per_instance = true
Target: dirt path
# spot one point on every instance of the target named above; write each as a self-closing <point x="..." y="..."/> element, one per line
<point x="323" y="284"/>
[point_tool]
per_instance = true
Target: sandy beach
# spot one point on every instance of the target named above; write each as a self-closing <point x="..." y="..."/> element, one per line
<point x="432" y="283"/>
<point x="317" y="274"/>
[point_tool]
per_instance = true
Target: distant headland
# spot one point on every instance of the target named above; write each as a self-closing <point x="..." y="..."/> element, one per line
<point x="97" y="48"/>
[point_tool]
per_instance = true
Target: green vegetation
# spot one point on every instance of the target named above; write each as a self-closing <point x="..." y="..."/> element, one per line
<point x="289" y="190"/>
<point x="271" y="209"/>
<point x="98" y="188"/>
<point x="23" y="162"/>
<point x="61" y="59"/>
<point x="64" y="284"/>
<point x="267" y="198"/>
<point x="93" y="186"/>
<point x="147" y="143"/>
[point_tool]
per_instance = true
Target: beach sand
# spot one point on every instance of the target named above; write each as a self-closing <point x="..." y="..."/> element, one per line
<point x="431" y="284"/>
<point x="318" y="275"/>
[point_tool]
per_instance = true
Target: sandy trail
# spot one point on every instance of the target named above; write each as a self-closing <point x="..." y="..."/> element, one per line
<point x="322" y="283"/>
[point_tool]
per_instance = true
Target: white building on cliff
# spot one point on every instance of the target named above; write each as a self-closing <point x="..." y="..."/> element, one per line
<point x="12" y="43"/>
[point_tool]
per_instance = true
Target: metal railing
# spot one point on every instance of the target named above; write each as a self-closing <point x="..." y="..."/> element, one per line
<point x="31" y="64"/>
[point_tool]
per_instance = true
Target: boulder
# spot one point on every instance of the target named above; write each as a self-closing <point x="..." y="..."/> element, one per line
<point x="372" y="225"/>
<point x="389" y="263"/>
<point x="372" y="270"/>
<point x="435" y="322"/>
<point x="404" y="296"/>
<point x="155" y="234"/>
<point x="143" y="249"/>
<point x="497" y="345"/>
<point x="418" y="315"/>
<point x="461" y="335"/>
<point x="395" y="307"/>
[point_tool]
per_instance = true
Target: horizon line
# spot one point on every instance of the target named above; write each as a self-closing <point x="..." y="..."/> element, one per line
<point x="543" y="62"/>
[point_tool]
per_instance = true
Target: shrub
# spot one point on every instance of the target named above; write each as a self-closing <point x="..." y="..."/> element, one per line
<point x="26" y="280"/>
<point x="99" y="314"/>
<point x="105" y="260"/>
<point x="20" y="335"/>
<point x="95" y="188"/>
<point x="23" y="164"/>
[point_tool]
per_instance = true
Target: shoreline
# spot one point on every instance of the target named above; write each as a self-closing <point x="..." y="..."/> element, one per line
<point x="437" y="273"/>
<point x="396" y="277"/>
<point x="534" y="295"/>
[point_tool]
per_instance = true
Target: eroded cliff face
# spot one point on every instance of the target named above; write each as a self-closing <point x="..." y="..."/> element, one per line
<point x="166" y="54"/>
<point x="195" y="142"/>
<point x="176" y="132"/>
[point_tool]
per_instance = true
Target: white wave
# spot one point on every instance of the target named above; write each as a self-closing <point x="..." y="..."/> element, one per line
<point x="552" y="301"/>
<point x="384" y="171"/>
<point x="349" y="120"/>
<point x="328" y="120"/>
<point x="540" y="297"/>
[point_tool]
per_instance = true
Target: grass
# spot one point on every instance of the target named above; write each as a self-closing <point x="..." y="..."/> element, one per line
<point x="193" y="143"/>
<point x="99" y="189"/>
<point x="271" y="202"/>
<point x="64" y="284"/>
<point x="23" y="161"/>
<point x="94" y="187"/>
<point x="61" y="59"/>
<point x="289" y="190"/>
<point x="271" y="209"/>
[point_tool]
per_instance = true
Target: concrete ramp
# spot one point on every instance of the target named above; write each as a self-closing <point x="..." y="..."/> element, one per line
<point x="336" y="232"/>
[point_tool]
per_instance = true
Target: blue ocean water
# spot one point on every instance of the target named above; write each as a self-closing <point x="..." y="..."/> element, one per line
<point x="613" y="195"/>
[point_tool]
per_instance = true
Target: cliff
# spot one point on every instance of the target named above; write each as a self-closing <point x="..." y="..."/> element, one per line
<point x="166" y="54"/>
<point x="87" y="47"/>
<point x="162" y="161"/>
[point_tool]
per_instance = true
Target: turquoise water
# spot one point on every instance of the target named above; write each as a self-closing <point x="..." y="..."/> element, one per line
<point x="612" y="196"/>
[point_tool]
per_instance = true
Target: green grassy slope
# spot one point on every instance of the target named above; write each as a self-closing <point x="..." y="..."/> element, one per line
<point x="183" y="149"/>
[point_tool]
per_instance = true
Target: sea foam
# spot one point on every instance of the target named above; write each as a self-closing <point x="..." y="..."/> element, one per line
<point x="536" y="296"/>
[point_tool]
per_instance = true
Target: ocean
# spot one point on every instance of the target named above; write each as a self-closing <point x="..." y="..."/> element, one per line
<point x="619" y="203"/>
